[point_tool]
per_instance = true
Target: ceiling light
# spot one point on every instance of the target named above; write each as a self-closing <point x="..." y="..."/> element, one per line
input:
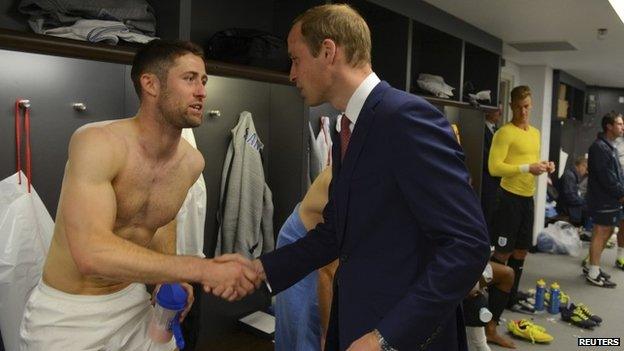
<point x="543" y="46"/>
<point x="618" y="6"/>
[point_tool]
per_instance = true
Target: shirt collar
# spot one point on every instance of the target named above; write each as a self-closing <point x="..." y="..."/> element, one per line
<point x="356" y="102"/>
<point x="490" y="125"/>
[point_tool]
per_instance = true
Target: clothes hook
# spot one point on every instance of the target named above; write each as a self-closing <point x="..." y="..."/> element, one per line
<point x="25" y="103"/>
<point x="79" y="106"/>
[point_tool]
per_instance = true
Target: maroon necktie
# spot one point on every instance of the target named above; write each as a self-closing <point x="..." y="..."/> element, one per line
<point x="345" y="135"/>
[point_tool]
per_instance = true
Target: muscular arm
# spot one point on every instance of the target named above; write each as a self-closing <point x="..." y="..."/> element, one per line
<point x="89" y="208"/>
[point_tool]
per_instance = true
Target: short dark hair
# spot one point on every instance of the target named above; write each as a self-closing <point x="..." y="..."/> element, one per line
<point x="157" y="57"/>
<point x="580" y="160"/>
<point x="609" y="119"/>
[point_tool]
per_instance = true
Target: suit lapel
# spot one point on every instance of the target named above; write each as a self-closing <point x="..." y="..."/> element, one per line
<point x="364" y="121"/>
<point x="347" y="166"/>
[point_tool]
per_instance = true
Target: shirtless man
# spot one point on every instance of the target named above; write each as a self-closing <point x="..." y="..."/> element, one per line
<point x="124" y="183"/>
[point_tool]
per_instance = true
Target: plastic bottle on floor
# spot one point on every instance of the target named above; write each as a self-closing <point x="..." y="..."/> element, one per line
<point x="540" y="290"/>
<point x="555" y="291"/>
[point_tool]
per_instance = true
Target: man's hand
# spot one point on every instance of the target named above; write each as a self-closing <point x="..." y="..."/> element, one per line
<point x="368" y="342"/>
<point x="189" y="300"/>
<point x="230" y="277"/>
<point x="255" y="266"/>
<point x="259" y="269"/>
<point x="551" y="166"/>
<point x="538" y="168"/>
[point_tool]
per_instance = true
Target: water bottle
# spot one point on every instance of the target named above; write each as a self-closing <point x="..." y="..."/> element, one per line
<point x="540" y="289"/>
<point x="165" y="323"/>
<point x="554" y="298"/>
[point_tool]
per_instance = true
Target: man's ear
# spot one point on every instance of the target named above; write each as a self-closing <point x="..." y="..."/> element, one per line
<point x="150" y="84"/>
<point x="329" y="50"/>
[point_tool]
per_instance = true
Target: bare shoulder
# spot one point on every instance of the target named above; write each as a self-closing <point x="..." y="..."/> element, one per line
<point x="103" y="131"/>
<point x="99" y="145"/>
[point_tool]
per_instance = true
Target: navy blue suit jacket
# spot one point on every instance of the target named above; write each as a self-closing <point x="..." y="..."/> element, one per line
<point x="489" y="184"/>
<point x="405" y="224"/>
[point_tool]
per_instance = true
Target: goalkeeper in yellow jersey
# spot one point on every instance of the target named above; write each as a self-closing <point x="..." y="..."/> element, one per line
<point x="515" y="157"/>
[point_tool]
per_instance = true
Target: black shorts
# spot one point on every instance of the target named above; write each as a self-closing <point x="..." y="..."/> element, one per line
<point x="607" y="218"/>
<point x="512" y="224"/>
<point x="472" y="306"/>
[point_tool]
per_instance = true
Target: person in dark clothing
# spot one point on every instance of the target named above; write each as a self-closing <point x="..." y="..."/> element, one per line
<point x="489" y="183"/>
<point x="401" y="216"/>
<point x="605" y="193"/>
<point x="570" y="202"/>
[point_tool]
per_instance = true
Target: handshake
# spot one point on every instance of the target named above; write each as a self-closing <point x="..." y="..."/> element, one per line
<point x="232" y="276"/>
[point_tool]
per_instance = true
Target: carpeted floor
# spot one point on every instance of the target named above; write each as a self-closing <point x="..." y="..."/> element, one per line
<point x="566" y="270"/>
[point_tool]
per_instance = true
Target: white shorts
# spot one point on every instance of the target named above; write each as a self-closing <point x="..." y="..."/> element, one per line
<point x="57" y="321"/>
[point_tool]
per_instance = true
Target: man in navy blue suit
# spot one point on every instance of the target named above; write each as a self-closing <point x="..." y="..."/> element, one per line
<point x="402" y="218"/>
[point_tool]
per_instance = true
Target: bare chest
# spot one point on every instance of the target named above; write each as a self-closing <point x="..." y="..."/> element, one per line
<point x="150" y="195"/>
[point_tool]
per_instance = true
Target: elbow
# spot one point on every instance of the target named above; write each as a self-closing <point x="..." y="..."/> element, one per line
<point x="85" y="260"/>
<point x="83" y="252"/>
<point x="86" y="265"/>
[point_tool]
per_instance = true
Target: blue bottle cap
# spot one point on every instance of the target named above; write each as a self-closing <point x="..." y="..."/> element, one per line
<point x="172" y="296"/>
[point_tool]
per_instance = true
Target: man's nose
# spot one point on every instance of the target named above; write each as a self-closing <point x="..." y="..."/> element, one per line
<point x="200" y="91"/>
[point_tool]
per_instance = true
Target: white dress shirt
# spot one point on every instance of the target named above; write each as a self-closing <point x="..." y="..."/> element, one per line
<point x="354" y="107"/>
<point x="356" y="101"/>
